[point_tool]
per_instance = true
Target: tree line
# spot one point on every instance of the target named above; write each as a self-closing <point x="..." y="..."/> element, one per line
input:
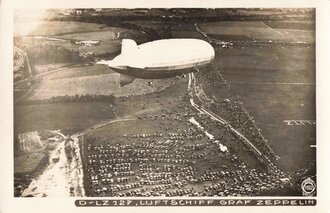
<point x="45" y="53"/>
<point x="72" y="99"/>
<point x="40" y="52"/>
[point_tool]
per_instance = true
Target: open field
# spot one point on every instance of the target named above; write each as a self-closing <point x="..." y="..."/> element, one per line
<point x="111" y="33"/>
<point x="253" y="30"/>
<point x="281" y="65"/>
<point x="99" y="36"/>
<point x="110" y="40"/>
<point x="185" y="31"/>
<point x="109" y="47"/>
<point x="153" y="103"/>
<point x="106" y="47"/>
<point x="264" y="31"/>
<point x="29" y="163"/>
<point x="155" y="25"/>
<point x="42" y="68"/>
<point x="299" y="25"/>
<point x="48" y="28"/>
<point x="275" y="86"/>
<point x="283" y="102"/>
<point x="298" y="35"/>
<point x="80" y="71"/>
<point x="95" y="84"/>
<point x="69" y="117"/>
<point x="61" y="33"/>
<point x="21" y="90"/>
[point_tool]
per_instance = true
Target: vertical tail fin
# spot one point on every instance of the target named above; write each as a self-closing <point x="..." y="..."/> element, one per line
<point x="128" y="47"/>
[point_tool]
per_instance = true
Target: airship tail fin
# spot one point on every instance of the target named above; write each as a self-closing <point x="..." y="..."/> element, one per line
<point x="102" y="62"/>
<point x="128" y="47"/>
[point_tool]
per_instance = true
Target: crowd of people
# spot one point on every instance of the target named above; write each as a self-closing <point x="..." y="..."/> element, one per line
<point x="185" y="161"/>
<point x="239" y="118"/>
<point x="161" y="164"/>
<point x="270" y="44"/>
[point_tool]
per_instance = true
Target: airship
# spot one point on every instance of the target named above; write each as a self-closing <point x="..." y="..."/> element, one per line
<point x="161" y="58"/>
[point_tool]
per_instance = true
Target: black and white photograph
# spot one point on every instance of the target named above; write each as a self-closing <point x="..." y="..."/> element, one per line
<point x="164" y="106"/>
<point x="164" y="102"/>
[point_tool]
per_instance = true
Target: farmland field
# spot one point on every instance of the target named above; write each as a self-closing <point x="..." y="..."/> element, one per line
<point x="48" y="28"/>
<point x="275" y="86"/>
<point x="80" y="71"/>
<point x="262" y="65"/>
<point x="69" y="117"/>
<point x="109" y="34"/>
<point x="258" y="31"/>
<point x="299" y="25"/>
<point x="77" y="82"/>
<point x="106" y="47"/>
<point x="156" y="25"/>
<point x="30" y="162"/>
<point x="298" y="35"/>
<point x="42" y="68"/>
<point x="185" y="31"/>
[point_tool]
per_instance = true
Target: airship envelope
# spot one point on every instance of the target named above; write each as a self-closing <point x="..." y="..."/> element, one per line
<point x="161" y="58"/>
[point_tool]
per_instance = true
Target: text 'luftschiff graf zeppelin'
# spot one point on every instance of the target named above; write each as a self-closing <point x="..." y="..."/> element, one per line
<point x="197" y="202"/>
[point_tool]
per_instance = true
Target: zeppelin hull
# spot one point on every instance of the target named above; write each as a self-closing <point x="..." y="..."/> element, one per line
<point x="160" y="72"/>
<point x="161" y="58"/>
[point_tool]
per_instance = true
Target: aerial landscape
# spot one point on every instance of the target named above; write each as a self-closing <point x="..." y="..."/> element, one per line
<point x="164" y="102"/>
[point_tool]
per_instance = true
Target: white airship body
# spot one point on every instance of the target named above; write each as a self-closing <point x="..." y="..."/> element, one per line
<point x="161" y="58"/>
